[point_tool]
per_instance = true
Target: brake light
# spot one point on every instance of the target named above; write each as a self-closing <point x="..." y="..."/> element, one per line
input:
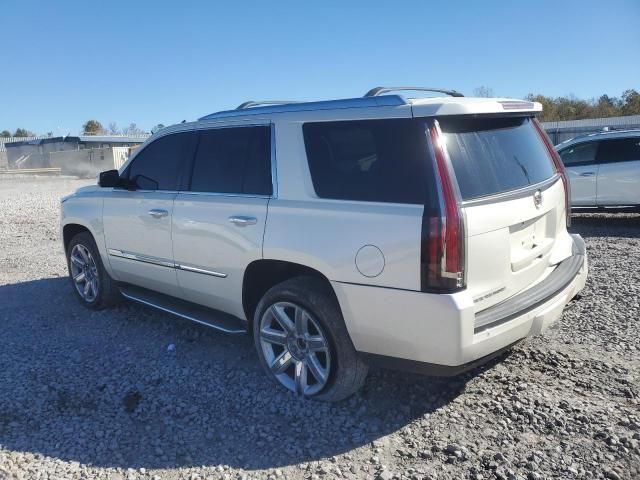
<point x="557" y="162"/>
<point x="442" y="252"/>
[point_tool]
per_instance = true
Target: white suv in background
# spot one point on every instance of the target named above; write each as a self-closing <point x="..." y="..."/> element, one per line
<point x="603" y="168"/>
<point x="423" y="234"/>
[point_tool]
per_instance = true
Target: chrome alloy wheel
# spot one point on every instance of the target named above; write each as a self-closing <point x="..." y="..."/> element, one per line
<point x="84" y="272"/>
<point x="295" y="348"/>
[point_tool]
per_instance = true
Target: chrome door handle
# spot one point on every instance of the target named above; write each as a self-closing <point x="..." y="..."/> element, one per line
<point x="158" y="213"/>
<point x="587" y="174"/>
<point x="243" y="221"/>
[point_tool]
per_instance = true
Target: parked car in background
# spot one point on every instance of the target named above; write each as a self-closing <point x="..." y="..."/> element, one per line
<point x="422" y="234"/>
<point x="604" y="169"/>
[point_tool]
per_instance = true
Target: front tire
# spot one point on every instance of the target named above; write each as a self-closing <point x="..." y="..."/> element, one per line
<point x="91" y="283"/>
<point x="303" y="343"/>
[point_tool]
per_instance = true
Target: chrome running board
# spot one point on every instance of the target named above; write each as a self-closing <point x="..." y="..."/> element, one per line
<point x="196" y="313"/>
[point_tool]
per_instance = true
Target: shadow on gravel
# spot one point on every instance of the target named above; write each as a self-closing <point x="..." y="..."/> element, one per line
<point x="101" y="388"/>
<point x="606" y="225"/>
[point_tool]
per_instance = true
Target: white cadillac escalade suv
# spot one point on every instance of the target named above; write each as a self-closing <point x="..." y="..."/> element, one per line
<point x="423" y="234"/>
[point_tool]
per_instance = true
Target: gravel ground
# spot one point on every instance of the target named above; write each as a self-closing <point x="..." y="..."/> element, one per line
<point x="97" y="395"/>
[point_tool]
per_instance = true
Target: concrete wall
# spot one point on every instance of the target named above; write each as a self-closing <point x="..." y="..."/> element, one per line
<point x="36" y="156"/>
<point x="83" y="163"/>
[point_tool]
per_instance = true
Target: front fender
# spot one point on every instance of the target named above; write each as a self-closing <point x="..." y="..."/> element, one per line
<point x="85" y="210"/>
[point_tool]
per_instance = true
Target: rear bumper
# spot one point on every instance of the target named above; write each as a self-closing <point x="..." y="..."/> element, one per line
<point x="441" y="334"/>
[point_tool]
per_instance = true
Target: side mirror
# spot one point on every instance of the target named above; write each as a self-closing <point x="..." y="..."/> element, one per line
<point x="110" y="178"/>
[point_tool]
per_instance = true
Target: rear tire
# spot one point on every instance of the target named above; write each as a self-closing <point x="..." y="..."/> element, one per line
<point x="303" y="343"/>
<point x="91" y="283"/>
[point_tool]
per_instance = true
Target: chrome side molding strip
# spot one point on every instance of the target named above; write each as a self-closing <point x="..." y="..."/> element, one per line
<point x="201" y="270"/>
<point x="141" y="258"/>
<point x="163" y="262"/>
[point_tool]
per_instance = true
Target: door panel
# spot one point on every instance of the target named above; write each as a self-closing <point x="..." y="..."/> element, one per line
<point x="137" y="228"/>
<point x="619" y="183"/>
<point x="215" y="237"/>
<point x="583" y="179"/>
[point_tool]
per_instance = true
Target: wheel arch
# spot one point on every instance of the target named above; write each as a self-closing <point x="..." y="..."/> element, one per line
<point x="261" y="275"/>
<point x="72" y="229"/>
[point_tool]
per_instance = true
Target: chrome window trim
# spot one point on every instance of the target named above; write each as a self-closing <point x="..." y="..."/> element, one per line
<point x="215" y="194"/>
<point x="274" y="169"/>
<point x="213" y="273"/>
<point x="147" y="191"/>
<point x="512" y="194"/>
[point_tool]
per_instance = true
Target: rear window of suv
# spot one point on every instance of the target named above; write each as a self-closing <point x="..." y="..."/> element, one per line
<point x="495" y="155"/>
<point x="369" y="160"/>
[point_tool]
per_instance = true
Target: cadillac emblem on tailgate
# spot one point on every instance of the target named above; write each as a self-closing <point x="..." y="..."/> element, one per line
<point x="537" y="199"/>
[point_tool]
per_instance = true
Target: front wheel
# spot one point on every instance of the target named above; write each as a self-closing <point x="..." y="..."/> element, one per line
<point x="303" y="343"/>
<point x="91" y="283"/>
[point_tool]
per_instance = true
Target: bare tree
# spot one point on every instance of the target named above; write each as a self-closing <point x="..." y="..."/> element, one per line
<point x="113" y="129"/>
<point x="133" y="131"/>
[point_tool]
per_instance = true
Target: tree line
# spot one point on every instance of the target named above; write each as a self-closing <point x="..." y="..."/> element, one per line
<point x="572" y="108"/>
<point x="553" y="109"/>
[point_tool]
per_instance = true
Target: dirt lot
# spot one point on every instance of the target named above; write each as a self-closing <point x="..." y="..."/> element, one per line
<point x="97" y="395"/>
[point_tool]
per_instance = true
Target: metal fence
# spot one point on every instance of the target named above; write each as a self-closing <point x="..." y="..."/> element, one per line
<point x="4" y="140"/>
<point x="561" y="131"/>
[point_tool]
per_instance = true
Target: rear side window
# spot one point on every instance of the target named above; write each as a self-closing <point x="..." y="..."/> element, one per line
<point x="233" y="160"/>
<point x="158" y="165"/>
<point x="495" y="155"/>
<point x="580" y="154"/>
<point x="619" y="150"/>
<point x="368" y="160"/>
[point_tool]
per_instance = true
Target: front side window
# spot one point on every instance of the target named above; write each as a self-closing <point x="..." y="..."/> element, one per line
<point x="495" y="155"/>
<point x="158" y="165"/>
<point x="619" y="150"/>
<point x="580" y="154"/>
<point x="369" y="160"/>
<point x="233" y="160"/>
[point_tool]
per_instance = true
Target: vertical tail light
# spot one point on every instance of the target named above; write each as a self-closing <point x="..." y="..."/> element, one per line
<point x="442" y="252"/>
<point x="557" y="162"/>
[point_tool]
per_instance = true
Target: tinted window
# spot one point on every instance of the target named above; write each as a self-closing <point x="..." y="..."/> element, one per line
<point x="369" y="160"/>
<point x="581" y="154"/>
<point x="159" y="163"/>
<point x="233" y="160"/>
<point x="619" y="150"/>
<point x="495" y="155"/>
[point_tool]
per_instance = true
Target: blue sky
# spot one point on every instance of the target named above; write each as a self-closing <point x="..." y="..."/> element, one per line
<point x="64" y="62"/>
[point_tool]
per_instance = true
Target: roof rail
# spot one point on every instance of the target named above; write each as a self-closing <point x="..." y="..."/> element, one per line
<point x="252" y="103"/>
<point x="360" y="102"/>
<point x="374" y="92"/>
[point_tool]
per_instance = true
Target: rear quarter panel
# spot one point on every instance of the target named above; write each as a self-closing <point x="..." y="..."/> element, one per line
<point x="327" y="235"/>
